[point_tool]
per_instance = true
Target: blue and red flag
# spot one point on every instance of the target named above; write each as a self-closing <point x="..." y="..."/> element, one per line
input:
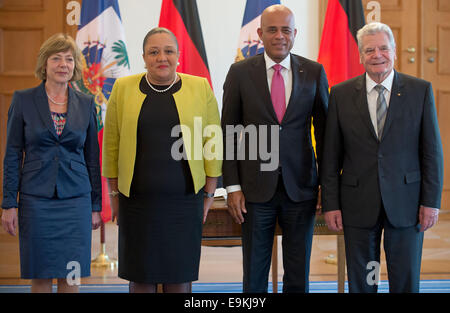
<point x="101" y="39"/>
<point x="249" y="42"/>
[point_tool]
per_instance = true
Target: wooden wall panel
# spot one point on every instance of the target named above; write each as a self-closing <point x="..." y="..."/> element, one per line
<point x="443" y="43"/>
<point x="18" y="61"/>
<point x="22" y="5"/>
<point x="443" y="108"/>
<point x="444" y="5"/>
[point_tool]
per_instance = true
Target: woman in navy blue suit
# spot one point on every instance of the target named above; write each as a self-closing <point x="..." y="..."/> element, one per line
<point x="52" y="163"/>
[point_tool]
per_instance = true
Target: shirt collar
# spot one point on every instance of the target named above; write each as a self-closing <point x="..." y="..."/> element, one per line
<point x="286" y="63"/>
<point x="387" y="83"/>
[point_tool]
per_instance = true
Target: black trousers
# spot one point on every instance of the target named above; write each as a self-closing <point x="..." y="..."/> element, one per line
<point x="296" y="220"/>
<point x="403" y="249"/>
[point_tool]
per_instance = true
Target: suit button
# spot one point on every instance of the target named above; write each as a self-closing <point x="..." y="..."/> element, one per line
<point x="56" y="158"/>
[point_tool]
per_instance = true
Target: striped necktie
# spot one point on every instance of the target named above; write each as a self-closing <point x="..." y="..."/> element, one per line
<point x="381" y="109"/>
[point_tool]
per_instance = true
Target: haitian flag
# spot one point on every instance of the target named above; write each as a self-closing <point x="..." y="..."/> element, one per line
<point x="249" y="42"/>
<point x="181" y="18"/>
<point x="101" y="39"/>
<point x="339" y="52"/>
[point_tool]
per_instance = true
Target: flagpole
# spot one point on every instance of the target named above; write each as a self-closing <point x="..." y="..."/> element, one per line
<point x="103" y="260"/>
<point x="101" y="64"/>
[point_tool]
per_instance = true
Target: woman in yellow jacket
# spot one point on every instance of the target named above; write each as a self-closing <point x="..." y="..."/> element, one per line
<point x="162" y="152"/>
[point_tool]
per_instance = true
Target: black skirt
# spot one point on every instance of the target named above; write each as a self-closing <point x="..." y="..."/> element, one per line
<point x="160" y="224"/>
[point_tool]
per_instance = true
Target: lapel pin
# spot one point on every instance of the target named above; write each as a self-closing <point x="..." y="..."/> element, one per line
<point x="399" y="94"/>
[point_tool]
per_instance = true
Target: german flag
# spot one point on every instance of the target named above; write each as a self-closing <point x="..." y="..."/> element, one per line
<point x="338" y="48"/>
<point x="181" y="17"/>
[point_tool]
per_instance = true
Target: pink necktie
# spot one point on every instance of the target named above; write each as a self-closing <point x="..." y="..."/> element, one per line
<point x="277" y="92"/>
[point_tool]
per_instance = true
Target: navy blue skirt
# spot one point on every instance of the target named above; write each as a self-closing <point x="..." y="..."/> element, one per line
<point x="55" y="236"/>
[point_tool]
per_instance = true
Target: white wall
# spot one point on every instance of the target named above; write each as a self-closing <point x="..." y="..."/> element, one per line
<point x="221" y="22"/>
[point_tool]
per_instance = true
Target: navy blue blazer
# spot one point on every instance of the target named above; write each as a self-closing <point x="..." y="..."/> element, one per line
<point x="38" y="162"/>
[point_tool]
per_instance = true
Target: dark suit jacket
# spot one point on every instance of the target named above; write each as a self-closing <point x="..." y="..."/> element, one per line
<point x="402" y="171"/>
<point x="246" y="101"/>
<point x="68" y="163"/>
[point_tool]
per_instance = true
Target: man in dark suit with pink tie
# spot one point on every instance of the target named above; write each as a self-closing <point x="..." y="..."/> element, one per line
<point x="274" y="97"/>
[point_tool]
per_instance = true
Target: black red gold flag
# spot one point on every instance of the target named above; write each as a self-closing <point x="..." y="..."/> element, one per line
<point x="338" y="48"/>
<point x="182" y="18"/>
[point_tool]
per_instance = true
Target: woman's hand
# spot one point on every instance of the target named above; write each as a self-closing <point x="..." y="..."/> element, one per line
<point x="96" y="220"/>
<point x="9" y="221"/>
<point x="207" y="203"/>
<point x="114" y="201"/>
<point x="210" y="187"/>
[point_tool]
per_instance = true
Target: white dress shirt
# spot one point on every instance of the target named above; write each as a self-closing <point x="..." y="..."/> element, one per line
<point x="286" y="72"/>
<point x="372" y="96"/>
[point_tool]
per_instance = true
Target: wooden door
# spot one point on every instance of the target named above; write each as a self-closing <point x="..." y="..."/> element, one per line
<point x="24" y="26"/>
<point x="436" y="68"/>
<point x="402" y="16"/>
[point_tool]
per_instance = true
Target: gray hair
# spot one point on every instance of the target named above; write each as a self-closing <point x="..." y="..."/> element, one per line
<point x="372" y="29"/>
<point x="159" y="30"/>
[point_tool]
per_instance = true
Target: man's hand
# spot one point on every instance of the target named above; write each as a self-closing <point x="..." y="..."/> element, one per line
<point x="428" y="217"/>
<point x="334" y="220"/>
<point x="236" y="206"/>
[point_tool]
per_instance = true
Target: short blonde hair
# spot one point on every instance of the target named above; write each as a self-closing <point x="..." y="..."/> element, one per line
<point x="58" y="43"/>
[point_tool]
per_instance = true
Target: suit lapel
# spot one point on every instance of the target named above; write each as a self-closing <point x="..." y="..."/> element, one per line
<point x="298" y="78"/>
<point x="44" y="110"/>
<point x="362" y="104"/>
<point x="258" y="75"/>
<point x="394" y="103"/>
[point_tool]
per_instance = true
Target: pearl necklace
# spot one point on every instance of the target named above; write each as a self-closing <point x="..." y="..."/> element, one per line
<point x="52" y="100"/>
<point x="160" y="90"/>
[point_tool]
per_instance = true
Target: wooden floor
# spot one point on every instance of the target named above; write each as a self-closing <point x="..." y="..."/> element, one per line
<point x="224" y="264"/>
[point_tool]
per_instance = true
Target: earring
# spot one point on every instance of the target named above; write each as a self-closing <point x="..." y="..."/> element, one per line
<point x="178" y="63"/>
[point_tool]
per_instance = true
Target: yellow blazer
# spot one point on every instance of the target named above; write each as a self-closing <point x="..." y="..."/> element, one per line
<point x="200" y="128"/>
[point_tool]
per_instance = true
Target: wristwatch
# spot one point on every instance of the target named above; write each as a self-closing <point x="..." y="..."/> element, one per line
<point x="114" y="193"/>
<point x="208" y="194"/>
